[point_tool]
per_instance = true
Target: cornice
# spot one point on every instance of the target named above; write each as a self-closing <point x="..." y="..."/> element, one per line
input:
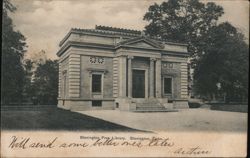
<point x="115" y="48"/>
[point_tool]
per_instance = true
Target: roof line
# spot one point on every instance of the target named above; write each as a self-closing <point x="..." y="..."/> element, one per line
<point x="109" y="31"/>
<point x="115" y="29"/>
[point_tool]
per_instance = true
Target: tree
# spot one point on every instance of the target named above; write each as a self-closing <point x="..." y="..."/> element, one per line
<point x="218" y="53"/>
<point x="13" y="49"/>
<point x="27" y="88"/>
<point x="225" y="61"/>
<point x="182" y="21"/>
<point x="45" y="85"/>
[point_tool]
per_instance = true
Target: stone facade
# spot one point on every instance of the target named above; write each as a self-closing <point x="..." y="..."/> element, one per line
<point x="112" y="68"/>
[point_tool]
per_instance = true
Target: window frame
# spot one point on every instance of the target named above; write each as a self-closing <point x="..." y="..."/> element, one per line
<point x="101" y="88"/>
<point x="171" y="78"/>
<point x="96" y="103"/>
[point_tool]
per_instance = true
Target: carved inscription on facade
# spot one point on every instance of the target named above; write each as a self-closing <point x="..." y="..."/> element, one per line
<point x="96" y="60"/>
<point x="168" y="65"/>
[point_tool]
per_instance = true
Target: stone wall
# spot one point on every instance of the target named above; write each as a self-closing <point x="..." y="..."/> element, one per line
<point x="74" y="76"/>
<point x="63" y="67"/>
<point x="79" y="105"/>
<point x="59" y="80"/>
<point x="92" y="39"/>
<point x="175" y="74"/>
<point x="85" y="85"/>
<point x="175" y="48"/>
<point x="115" y="77"/>
<point x="140" y="63"/>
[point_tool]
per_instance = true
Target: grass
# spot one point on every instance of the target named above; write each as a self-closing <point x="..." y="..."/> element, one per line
<point x="55" y="119"/>
<point x="222" y="106"/>
<point x="230" y="107"/>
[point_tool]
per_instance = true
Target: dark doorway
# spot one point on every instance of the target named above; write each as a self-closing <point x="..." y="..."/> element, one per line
<point x="138" y="89"/>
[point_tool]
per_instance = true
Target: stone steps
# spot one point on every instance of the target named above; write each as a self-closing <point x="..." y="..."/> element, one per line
<point x="150" y="108"/>
<point x="161" y="110"/>
<point x="149" y="105"/>
<point x="146" y="101"/>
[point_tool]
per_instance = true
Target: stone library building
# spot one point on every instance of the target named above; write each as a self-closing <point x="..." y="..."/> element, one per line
<point x="110" y="68"/>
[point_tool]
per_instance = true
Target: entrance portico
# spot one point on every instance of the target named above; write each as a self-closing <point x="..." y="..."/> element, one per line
<point x="141" y="76"/>
<point x="143" y="83"/>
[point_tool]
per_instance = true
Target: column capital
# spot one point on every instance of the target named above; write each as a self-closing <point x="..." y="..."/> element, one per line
<point x="152" y="59"/>
<point x="122" y="55"/>
<point x="158" y="59"/>
<point x="130" y="57"/>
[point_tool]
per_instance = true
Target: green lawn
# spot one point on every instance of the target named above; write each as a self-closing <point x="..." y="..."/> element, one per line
<point x="54" y="119"/>
<point x="222" y="106"/>
<point x="230" y="107"/>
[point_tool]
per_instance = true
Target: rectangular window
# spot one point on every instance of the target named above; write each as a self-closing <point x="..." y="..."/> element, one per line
<point x="96" y="83"/>
<point x="167" y="85"/>
<point x="97" y="103"/>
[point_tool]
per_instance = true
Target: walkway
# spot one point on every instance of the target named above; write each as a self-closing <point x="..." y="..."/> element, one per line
<point x="183" y="120"/>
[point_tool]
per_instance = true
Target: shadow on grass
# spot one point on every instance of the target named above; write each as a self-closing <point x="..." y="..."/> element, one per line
<point x="194" y="105"/>
<point x="56" y="119"/>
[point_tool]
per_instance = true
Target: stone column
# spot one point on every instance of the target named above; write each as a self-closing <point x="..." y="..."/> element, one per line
<point x="158" y="78"/>
<point x="130" y="76"/>
<point x="151" y="78"/>
<point x="122" y="76"/>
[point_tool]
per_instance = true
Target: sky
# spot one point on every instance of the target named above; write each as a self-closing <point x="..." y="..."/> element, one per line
<point x="44" y="23"/>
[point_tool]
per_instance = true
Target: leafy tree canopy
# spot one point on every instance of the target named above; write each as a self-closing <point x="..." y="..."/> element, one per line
<point x="45" y="85"/>
<point x="13" y="49"/>
<point x="182" y="21"/>
<point x="218" y="53"/>
<point x="226" y="61"/>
